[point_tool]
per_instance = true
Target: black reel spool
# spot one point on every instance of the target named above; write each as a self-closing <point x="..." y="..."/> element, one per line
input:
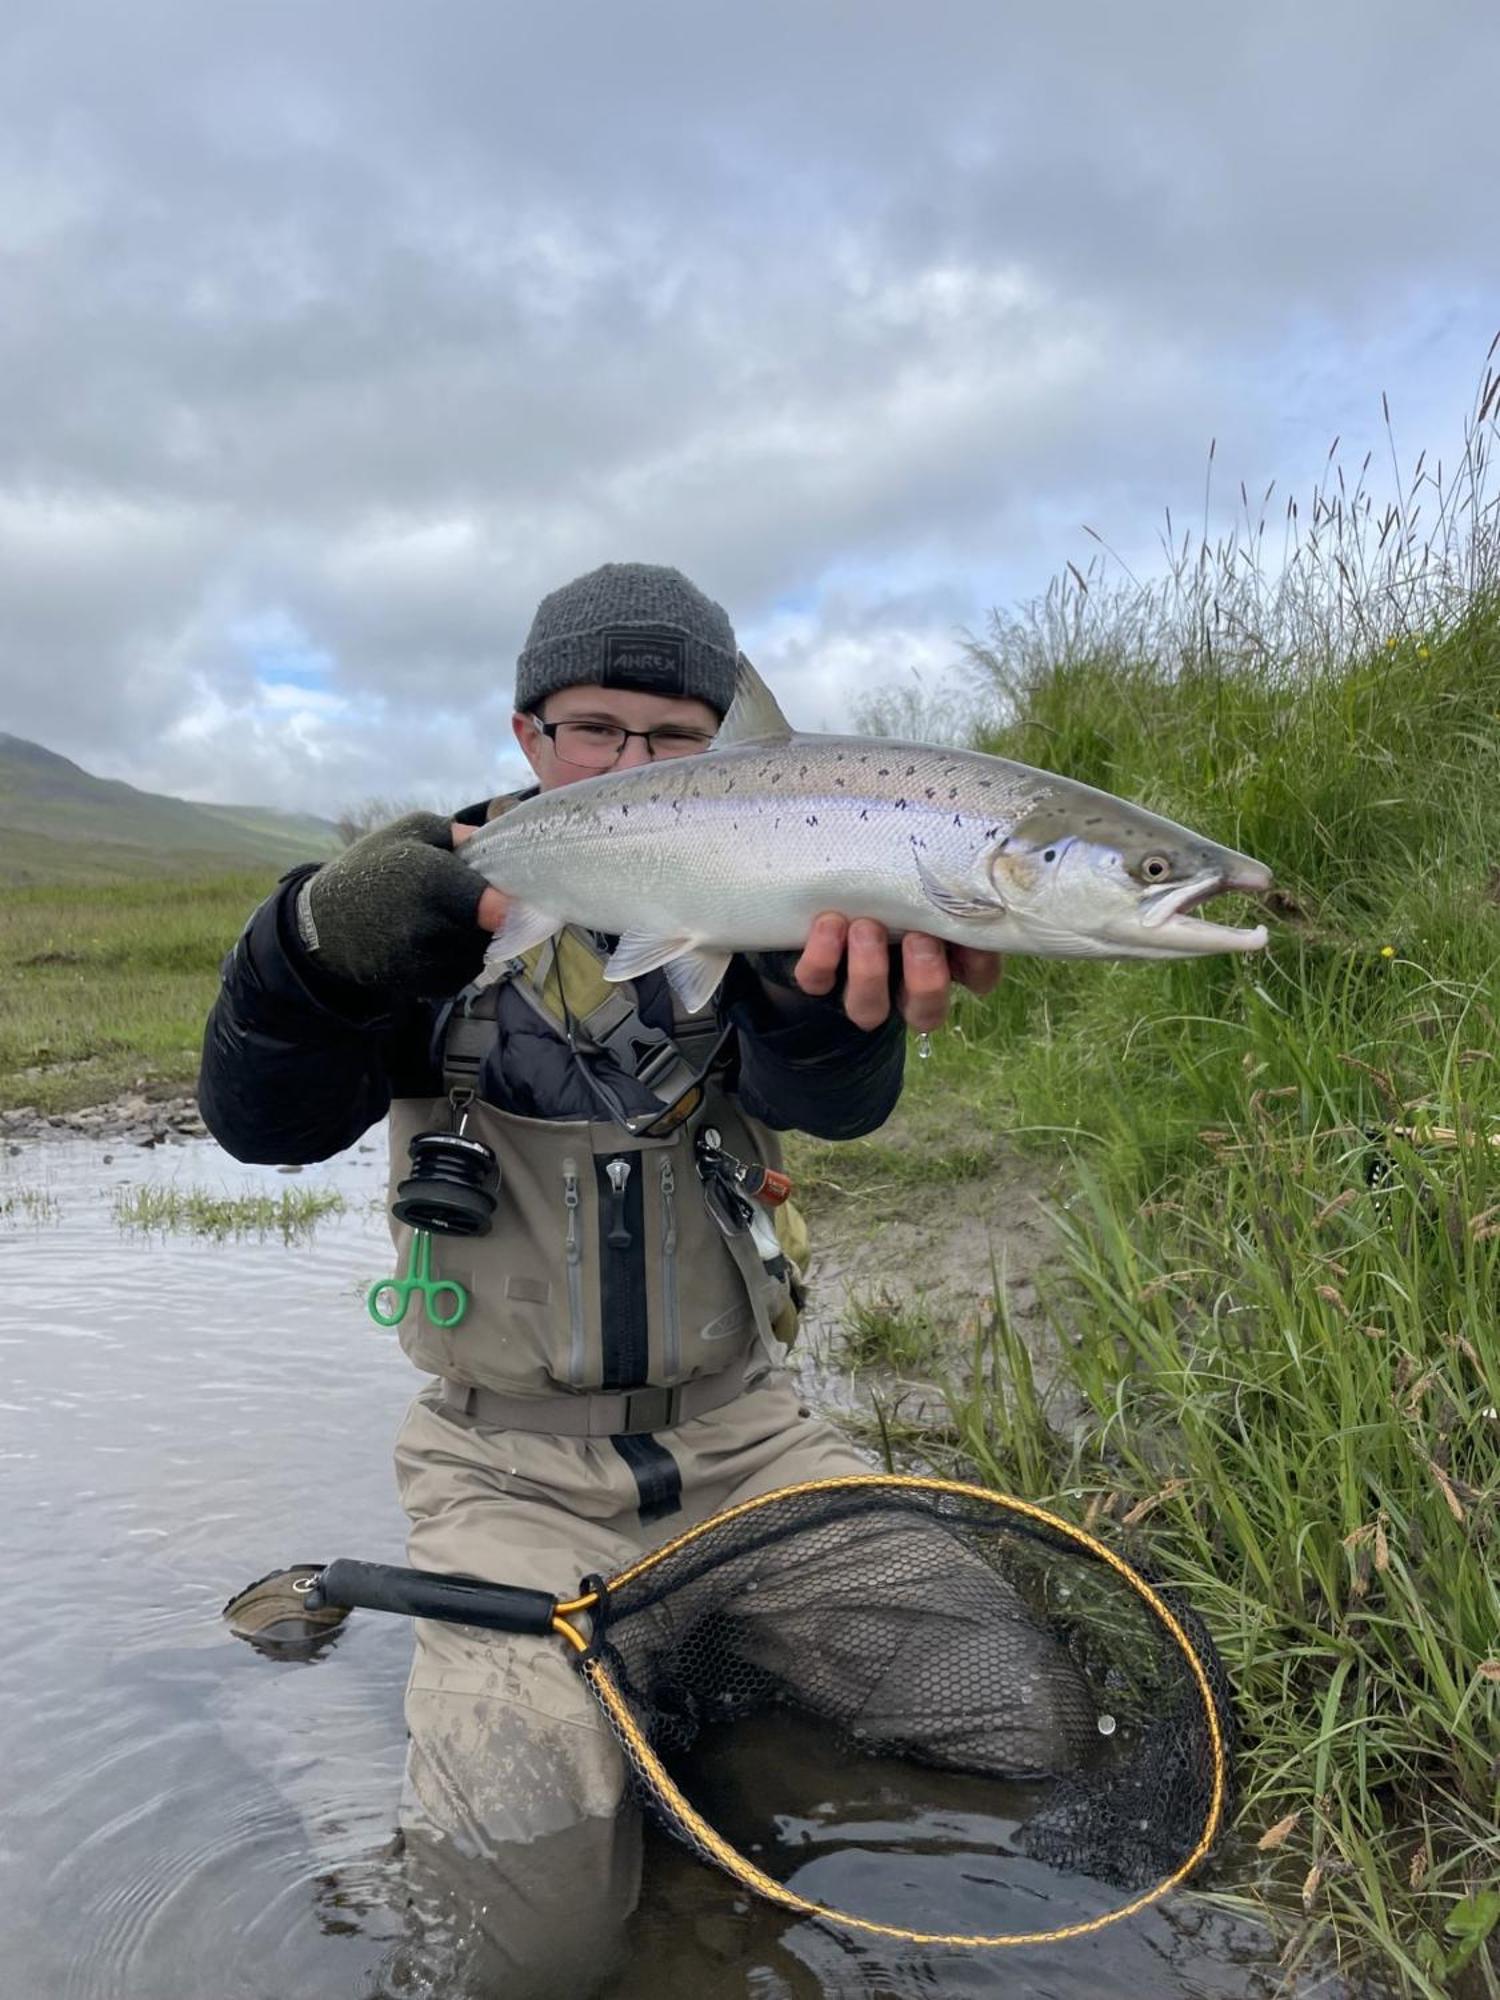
<point x="452" y="1188"/>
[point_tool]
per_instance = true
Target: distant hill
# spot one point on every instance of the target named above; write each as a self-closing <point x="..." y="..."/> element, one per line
<point x="60" y="824"/>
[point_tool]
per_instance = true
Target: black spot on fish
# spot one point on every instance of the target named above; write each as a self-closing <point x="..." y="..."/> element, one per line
<point x="958" y="819"/>
<point x="911" y="770"/>
<point x="812" y="819"/>
<point x="864" y="812"/>
<point x="953" y="792"/>
<point x="841" y="782"/>
<point x="985" y="783"/>
<point x="884" y="771"/>
<point x="990" y="832"/>
<point x="929" y="793"/>
<point x="901" y="805"/>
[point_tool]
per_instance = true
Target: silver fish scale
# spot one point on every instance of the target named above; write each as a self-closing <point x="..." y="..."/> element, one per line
<point x="744" y="847"/>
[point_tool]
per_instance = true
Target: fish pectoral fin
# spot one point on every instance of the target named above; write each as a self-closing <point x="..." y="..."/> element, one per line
<point x="754" y="715"/>
<point x="524" y="926"/>
<point x="693" y="970"/>
<point x="956" y="899"/>
<point x="641" y="950"/>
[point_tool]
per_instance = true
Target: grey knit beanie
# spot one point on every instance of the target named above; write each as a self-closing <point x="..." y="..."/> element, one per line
<point x="629" y="625"/>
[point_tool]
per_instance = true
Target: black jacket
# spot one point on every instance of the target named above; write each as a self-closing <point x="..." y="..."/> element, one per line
<point x="297" y="1065"/>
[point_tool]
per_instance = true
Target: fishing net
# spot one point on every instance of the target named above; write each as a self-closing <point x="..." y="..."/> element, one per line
<point x="937" y="1622"/>
<point x="907" y="1617"/>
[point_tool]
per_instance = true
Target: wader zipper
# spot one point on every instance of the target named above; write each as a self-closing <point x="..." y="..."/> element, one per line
<point x="573" y="1260"/>
<point x="672" y="1319"/>
<point x="624" y="1316"/>
<point x="619" y="1228"/>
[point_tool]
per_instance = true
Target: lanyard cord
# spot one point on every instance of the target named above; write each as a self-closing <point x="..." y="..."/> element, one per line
<point x="638" y="1124"/>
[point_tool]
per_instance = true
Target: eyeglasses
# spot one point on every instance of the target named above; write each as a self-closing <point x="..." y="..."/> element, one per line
<point x="594" y="746"/>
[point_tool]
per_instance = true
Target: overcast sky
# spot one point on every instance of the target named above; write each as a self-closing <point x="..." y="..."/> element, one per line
<point x="332" y="335"/>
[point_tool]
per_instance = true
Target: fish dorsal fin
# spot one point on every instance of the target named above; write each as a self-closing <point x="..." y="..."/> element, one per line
<point x="754" y="715"/>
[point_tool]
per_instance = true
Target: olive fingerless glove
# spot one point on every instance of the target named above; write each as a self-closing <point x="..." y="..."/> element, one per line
<point x="396" y="913"/>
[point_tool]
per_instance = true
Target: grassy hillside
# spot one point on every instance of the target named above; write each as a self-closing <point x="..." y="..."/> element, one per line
<point x="1279" y="1313"/>
<point x="58" y="823"/>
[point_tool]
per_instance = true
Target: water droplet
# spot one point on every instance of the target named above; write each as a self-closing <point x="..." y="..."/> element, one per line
<point x="1106" y="1725"/>
<point x="924" y="1045"/>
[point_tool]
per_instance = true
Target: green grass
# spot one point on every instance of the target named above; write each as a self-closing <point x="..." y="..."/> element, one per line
<point x="102" y="986"/>
<point x="1282" y="1329"/>
<point x="880" y="1331"/>
<point x="292" y="1214"/>
<point x="32" y="1205"/>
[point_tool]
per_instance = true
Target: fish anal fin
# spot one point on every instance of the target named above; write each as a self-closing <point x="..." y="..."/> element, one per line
<point x="641" y="950"/>
<point x="957" y="899"/>
<point x="754" y="715"/>
<point x="696" y="976"/>
<point x="693" y="970"/>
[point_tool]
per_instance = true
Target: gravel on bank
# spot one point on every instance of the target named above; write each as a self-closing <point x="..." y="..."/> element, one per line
<point x="132" y="1119"/>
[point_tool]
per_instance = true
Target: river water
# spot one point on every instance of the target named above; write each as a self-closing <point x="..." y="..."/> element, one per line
<point x="183" y="1819"/>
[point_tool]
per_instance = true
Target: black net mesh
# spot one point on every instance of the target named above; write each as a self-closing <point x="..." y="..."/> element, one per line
<point x="937" y="1623"/>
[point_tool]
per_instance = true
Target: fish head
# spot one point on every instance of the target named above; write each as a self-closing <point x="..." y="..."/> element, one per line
<point x="1119" y="882"/>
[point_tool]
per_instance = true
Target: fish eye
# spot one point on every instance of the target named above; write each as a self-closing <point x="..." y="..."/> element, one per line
<point x="1156" y="867"/>
<point x="1050" y="854"/>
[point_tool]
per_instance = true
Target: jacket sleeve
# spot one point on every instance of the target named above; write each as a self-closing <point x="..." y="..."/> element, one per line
<point x="811" y="1069"/>
<point x="291" y="1071"/>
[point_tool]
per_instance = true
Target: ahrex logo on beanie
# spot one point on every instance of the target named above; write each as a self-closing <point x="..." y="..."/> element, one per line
<point x="629" y="625"/>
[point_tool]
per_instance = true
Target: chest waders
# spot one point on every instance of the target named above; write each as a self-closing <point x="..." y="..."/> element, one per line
<point x="615" y="1292"/>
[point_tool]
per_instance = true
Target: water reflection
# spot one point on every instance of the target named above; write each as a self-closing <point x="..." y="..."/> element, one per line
<point x="180" y="1415"/>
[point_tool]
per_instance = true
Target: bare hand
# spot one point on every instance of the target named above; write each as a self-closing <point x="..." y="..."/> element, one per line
<point x="491" y="912"/>
<point x="929" y="970"/>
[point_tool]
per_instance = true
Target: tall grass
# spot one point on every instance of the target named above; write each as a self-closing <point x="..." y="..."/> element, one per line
<point x="1283" y="1248"/>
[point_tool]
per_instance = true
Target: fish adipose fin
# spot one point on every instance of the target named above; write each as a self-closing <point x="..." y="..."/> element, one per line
<point x="754" y="715"/>
<point x="956" y="899"/>
<point x="694" y="972"/>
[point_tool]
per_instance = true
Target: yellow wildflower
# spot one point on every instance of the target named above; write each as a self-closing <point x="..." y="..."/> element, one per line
<point x="1387" y="951"/>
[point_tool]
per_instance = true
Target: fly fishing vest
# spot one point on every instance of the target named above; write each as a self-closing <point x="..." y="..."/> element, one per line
<point x="609" y="1294"/>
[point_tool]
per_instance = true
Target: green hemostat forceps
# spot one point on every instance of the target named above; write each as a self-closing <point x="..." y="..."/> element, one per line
<point x="418" y="1278"/>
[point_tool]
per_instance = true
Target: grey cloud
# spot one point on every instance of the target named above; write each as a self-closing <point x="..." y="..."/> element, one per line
<point x="390" y="319"/>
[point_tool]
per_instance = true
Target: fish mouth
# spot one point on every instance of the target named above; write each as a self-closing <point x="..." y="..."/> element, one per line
<point x="1168" y="913"/>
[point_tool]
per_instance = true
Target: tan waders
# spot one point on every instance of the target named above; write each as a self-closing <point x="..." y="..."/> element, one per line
<point x="616" y="1377"/>
<point x="514" y="1782"/>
